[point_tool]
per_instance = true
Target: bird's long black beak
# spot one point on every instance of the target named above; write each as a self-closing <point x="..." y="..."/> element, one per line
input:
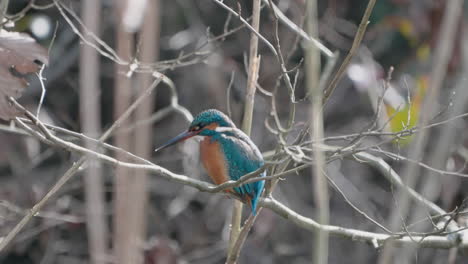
<point x="181" y="137"/>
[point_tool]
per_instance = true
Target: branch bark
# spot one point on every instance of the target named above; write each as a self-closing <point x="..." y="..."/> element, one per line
<point x="149" y="39"/>
<point x="90" y="114"/>
<point x="320" y="186"/>
<point x="3" y="9"/>
<point x="5" y="241"/>
<point x="354" y="48"/>
<point x="440" y="240"/>
<point x="254" y="65"/>
<point x="126" y="244"/>
<point x="442" y="56"/>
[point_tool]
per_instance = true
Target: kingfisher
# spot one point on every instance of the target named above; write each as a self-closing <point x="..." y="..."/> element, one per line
<point x="226" y="153"/>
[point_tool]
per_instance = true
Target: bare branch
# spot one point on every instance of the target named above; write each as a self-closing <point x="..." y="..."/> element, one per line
<point x="442" y="56"/>
<point x="251" y="28"/>
<point x="285" y="20"/>
<point x="354" y="48"/>
<point x="320" y="186"/>
<point x="374" y="239"/>
<point x="69" y="174"/>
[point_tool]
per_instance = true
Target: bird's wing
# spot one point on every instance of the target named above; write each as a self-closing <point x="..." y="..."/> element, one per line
<point x="242" y="157"/>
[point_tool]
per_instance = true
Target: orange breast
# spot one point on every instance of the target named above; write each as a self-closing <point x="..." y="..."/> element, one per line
<point x="213" y="160"/>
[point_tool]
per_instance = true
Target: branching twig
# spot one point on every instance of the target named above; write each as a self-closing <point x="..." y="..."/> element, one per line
<point x="251" y="28"/>
<point x="375" y="238"/>
<point x="69" y="174"/>
<point x="285" y="20"/>
<point x="442" y="56"/>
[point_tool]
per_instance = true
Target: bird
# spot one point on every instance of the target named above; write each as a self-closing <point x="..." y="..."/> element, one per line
<point x="226" y="152"/>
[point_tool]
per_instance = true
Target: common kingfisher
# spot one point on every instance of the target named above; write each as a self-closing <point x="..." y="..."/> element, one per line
<point x="226" y="152"/>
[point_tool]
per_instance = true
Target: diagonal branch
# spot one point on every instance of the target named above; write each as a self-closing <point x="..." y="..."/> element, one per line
<point x="356" y="43"/>
<point x="70" y="172"/>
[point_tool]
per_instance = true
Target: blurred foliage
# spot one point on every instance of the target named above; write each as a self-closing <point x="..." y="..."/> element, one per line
<point x="407" y="116"/>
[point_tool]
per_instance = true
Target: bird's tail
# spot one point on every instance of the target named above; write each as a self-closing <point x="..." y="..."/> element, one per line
<point x="254" y="198"/>
<point x="253" y="204"/>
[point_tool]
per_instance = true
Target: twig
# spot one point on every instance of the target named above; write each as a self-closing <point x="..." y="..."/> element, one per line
<point x="359" y="211"/>
<point x="354" y="47"/>
<point x="237" y="247"/>
<point x="375" y="239"/>
<point x="442" y="56"/>
<point x="320" y="186"/>
<point x="43" y="88"/>
<point x="432" y="183"/>
<point x="3" y="10"/>
<point x="251" y="28"/>
<point x="124" y="238"/>
<point x="143" y="147"/>
<point x="395" y="179"/>
<point x="68" y="174"/>
<point x="68" y="218"/>
<point x="285" y="20"/>
<point x="254" y="65"/>
<point x="228" y="94"/>
<point x="92" y="40"/>
<point x="90" y="109"/>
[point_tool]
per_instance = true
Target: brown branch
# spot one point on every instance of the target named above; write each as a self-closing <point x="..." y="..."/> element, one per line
<point x="320" y="186"/>
<point x="97" y="229"/>
<point x="69" y="173"/>
<point x="254" y="66"/>
<point x="354" y="48"/>
<point x="442" y="55"/>
<point x="375" y="238"/>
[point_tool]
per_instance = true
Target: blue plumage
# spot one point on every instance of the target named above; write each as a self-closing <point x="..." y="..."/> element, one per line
<point x="242" y="157"/>
<point x="211" y="116"/>
<point x="228" y="153"/>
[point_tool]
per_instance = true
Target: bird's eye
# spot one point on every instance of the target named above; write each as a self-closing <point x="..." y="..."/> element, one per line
<point x="195" y="128"/>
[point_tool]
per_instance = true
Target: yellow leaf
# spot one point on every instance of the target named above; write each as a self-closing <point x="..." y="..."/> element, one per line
<point x="403" y="119"/>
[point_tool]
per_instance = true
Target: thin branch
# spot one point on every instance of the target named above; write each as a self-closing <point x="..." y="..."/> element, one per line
<point x="251" y="28"/>
<point x="3" y="9"/>
<point x="374" y="239"/>
<point x="69" y="173"/>
<point x="320" y="186"/>
<point x="359" y="211"/>
<point x="285" y="20"/>
<point x="237" y="247"/>
<point x="442" y="56"/>
<point x="354" y="48"/>
<point x="90" y="39"/>
<point x="254" y="66"/>
<point x="228" y="94"/>
<point x="44" y="214"/>
<point x="90" y="103"/>
<point x="395" y="179"/>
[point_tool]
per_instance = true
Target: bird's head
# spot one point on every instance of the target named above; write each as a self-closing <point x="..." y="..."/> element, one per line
<point x="204" y="124"/>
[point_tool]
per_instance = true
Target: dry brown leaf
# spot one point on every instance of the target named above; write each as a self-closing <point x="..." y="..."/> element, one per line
<point x="20" y="55"/>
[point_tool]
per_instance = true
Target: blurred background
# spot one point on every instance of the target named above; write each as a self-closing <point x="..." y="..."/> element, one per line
<point x="204" y="52"/>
